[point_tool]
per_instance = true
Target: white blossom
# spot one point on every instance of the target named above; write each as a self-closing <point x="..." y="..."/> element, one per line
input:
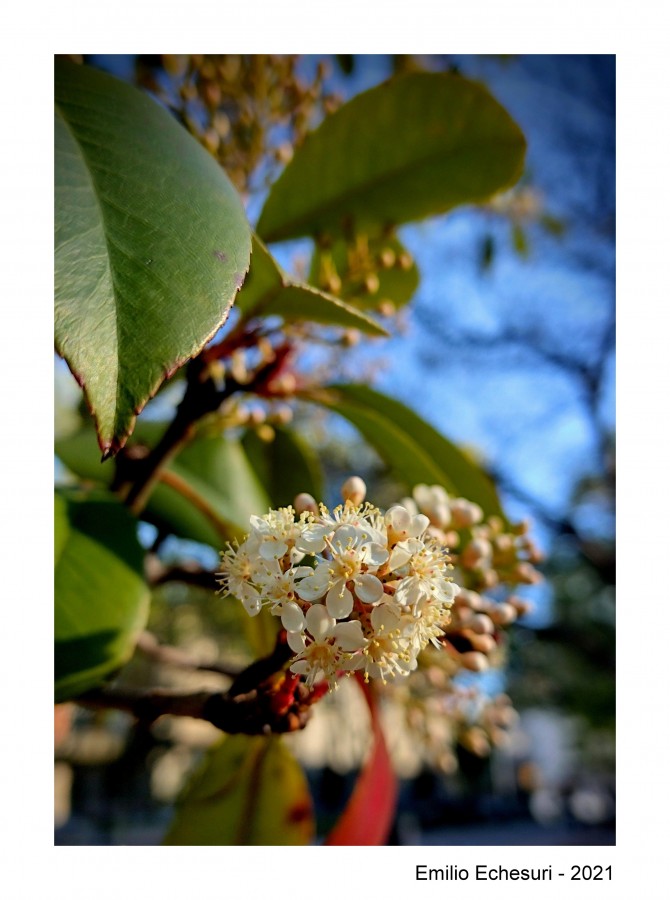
<point x="377" y="590"/>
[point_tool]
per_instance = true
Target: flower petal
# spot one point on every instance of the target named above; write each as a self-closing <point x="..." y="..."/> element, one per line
<point x="349" y="636"/>
<point x="314" y="586"/>
<point x="319" y="622"/>
<point x="296" y="641"/>
<point x="368" y="589"/>
<point x="340" y="600"/>
<point x="292" y="617"/>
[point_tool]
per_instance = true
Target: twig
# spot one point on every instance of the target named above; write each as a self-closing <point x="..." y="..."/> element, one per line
<point x="263" y="699"/>
<point x="245" y="714"/>
<point x="201" y="397"/>
<point x="177" y="483"/>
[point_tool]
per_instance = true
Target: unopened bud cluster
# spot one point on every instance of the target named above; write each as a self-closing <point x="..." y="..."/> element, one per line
<point x="485" y="556"/>
<point x="377" y="590"/>
<point x="358" y="269"/>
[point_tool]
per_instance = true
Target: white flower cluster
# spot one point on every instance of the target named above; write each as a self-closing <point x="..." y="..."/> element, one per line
<point x="377" y="593"/>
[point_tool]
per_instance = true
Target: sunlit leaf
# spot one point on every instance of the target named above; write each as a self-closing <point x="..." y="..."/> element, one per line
<point x="268" y="291"/>
<point x="152" y="244"/>
<point x="415" y="146"/>
<point x="248" y="791"/>
<point x="101" y="598"/>
<point x="209" y="491"/>
<point x="415" y="452"/>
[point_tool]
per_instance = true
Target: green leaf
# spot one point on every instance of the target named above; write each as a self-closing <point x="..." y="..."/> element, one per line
<point x="152" y="244"/>
<point x="413" y="449"/>
<point x="101" y="598"/>
<point x="395" y="275"/>
<point x="268" y="291"/>
<point x="248" y="791"/>
<point x="413" y="147"/>
<point x="219" y="489"/>
<point x="287" y="466"/>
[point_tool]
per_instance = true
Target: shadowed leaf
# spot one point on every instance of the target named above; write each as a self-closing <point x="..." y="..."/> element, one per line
<point x="248" y="791"/>
<point x="101" y="599"/>
<point x="268" y="291"/>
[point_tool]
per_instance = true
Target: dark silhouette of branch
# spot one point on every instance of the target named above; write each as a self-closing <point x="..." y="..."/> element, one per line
<point x="263" y="699"/>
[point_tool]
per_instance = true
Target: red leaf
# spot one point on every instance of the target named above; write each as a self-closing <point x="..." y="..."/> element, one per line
<point x="368" y="816"/>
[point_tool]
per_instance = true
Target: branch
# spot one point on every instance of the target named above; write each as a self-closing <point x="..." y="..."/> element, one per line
<point x="263" y="699"/>
<point x="201" y="397"/>
<point x="244" y="714"/>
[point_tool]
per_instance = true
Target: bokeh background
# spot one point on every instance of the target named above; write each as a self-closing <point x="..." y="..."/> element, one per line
<point x="508" y="348"/>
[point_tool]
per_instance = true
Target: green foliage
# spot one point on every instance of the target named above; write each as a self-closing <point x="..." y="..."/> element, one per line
<point x="413" y="147"/>
<point x="415" y="452"/>
<point x="209" y="490"/>
<point x="287" y="466"/>
<point x="249" y="790"/>
<point x="151" y="244"/>
<point x="102" y="600"/>
<point x="270" y="292"/>
<point x="152" y="249"/>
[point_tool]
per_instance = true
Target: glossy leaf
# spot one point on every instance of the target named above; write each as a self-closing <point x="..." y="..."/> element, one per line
<point x="286" y="466"/>
<point x="413" y="147"/>
<point x="413" y="449"/>
<point x="152" y="244"/>
<point x="395" y="276"/>
<point x="268" y="291"/>
<point x="248" y="791"/>
<point x="210" y="488"/>
<point x="368" y="816"/>
<point x="101" y="598"/>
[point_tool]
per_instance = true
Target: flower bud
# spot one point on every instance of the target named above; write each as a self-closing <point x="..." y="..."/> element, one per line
<point x="281" y="415"/>
<point x="484" y="643"/>
<point x="387" y="258"/>
<point x="371" y="284"/>
<point x="464" y="514"/>
<point x="266" y="433"/>
<point x="477" y="554"/>
<point x="354" y="490"/>
<point x="305" y="503"/>
<point x="503" y="614"/>
<point x="257" y="416"/>
<point x="474" y="661"/>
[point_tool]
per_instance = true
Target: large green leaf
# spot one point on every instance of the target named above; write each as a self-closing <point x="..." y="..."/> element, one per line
<point x="286" y="466"/>
<point x="415" y="146"/>
<point x="210" y="497"/>
<point x="101" y="598"/>
<point x="248" y="791"/>
<point x="413" y="449"/>
<point x="268" y="291"/>
<point x="395" y="275"/>
<point x="152" y="244"/>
